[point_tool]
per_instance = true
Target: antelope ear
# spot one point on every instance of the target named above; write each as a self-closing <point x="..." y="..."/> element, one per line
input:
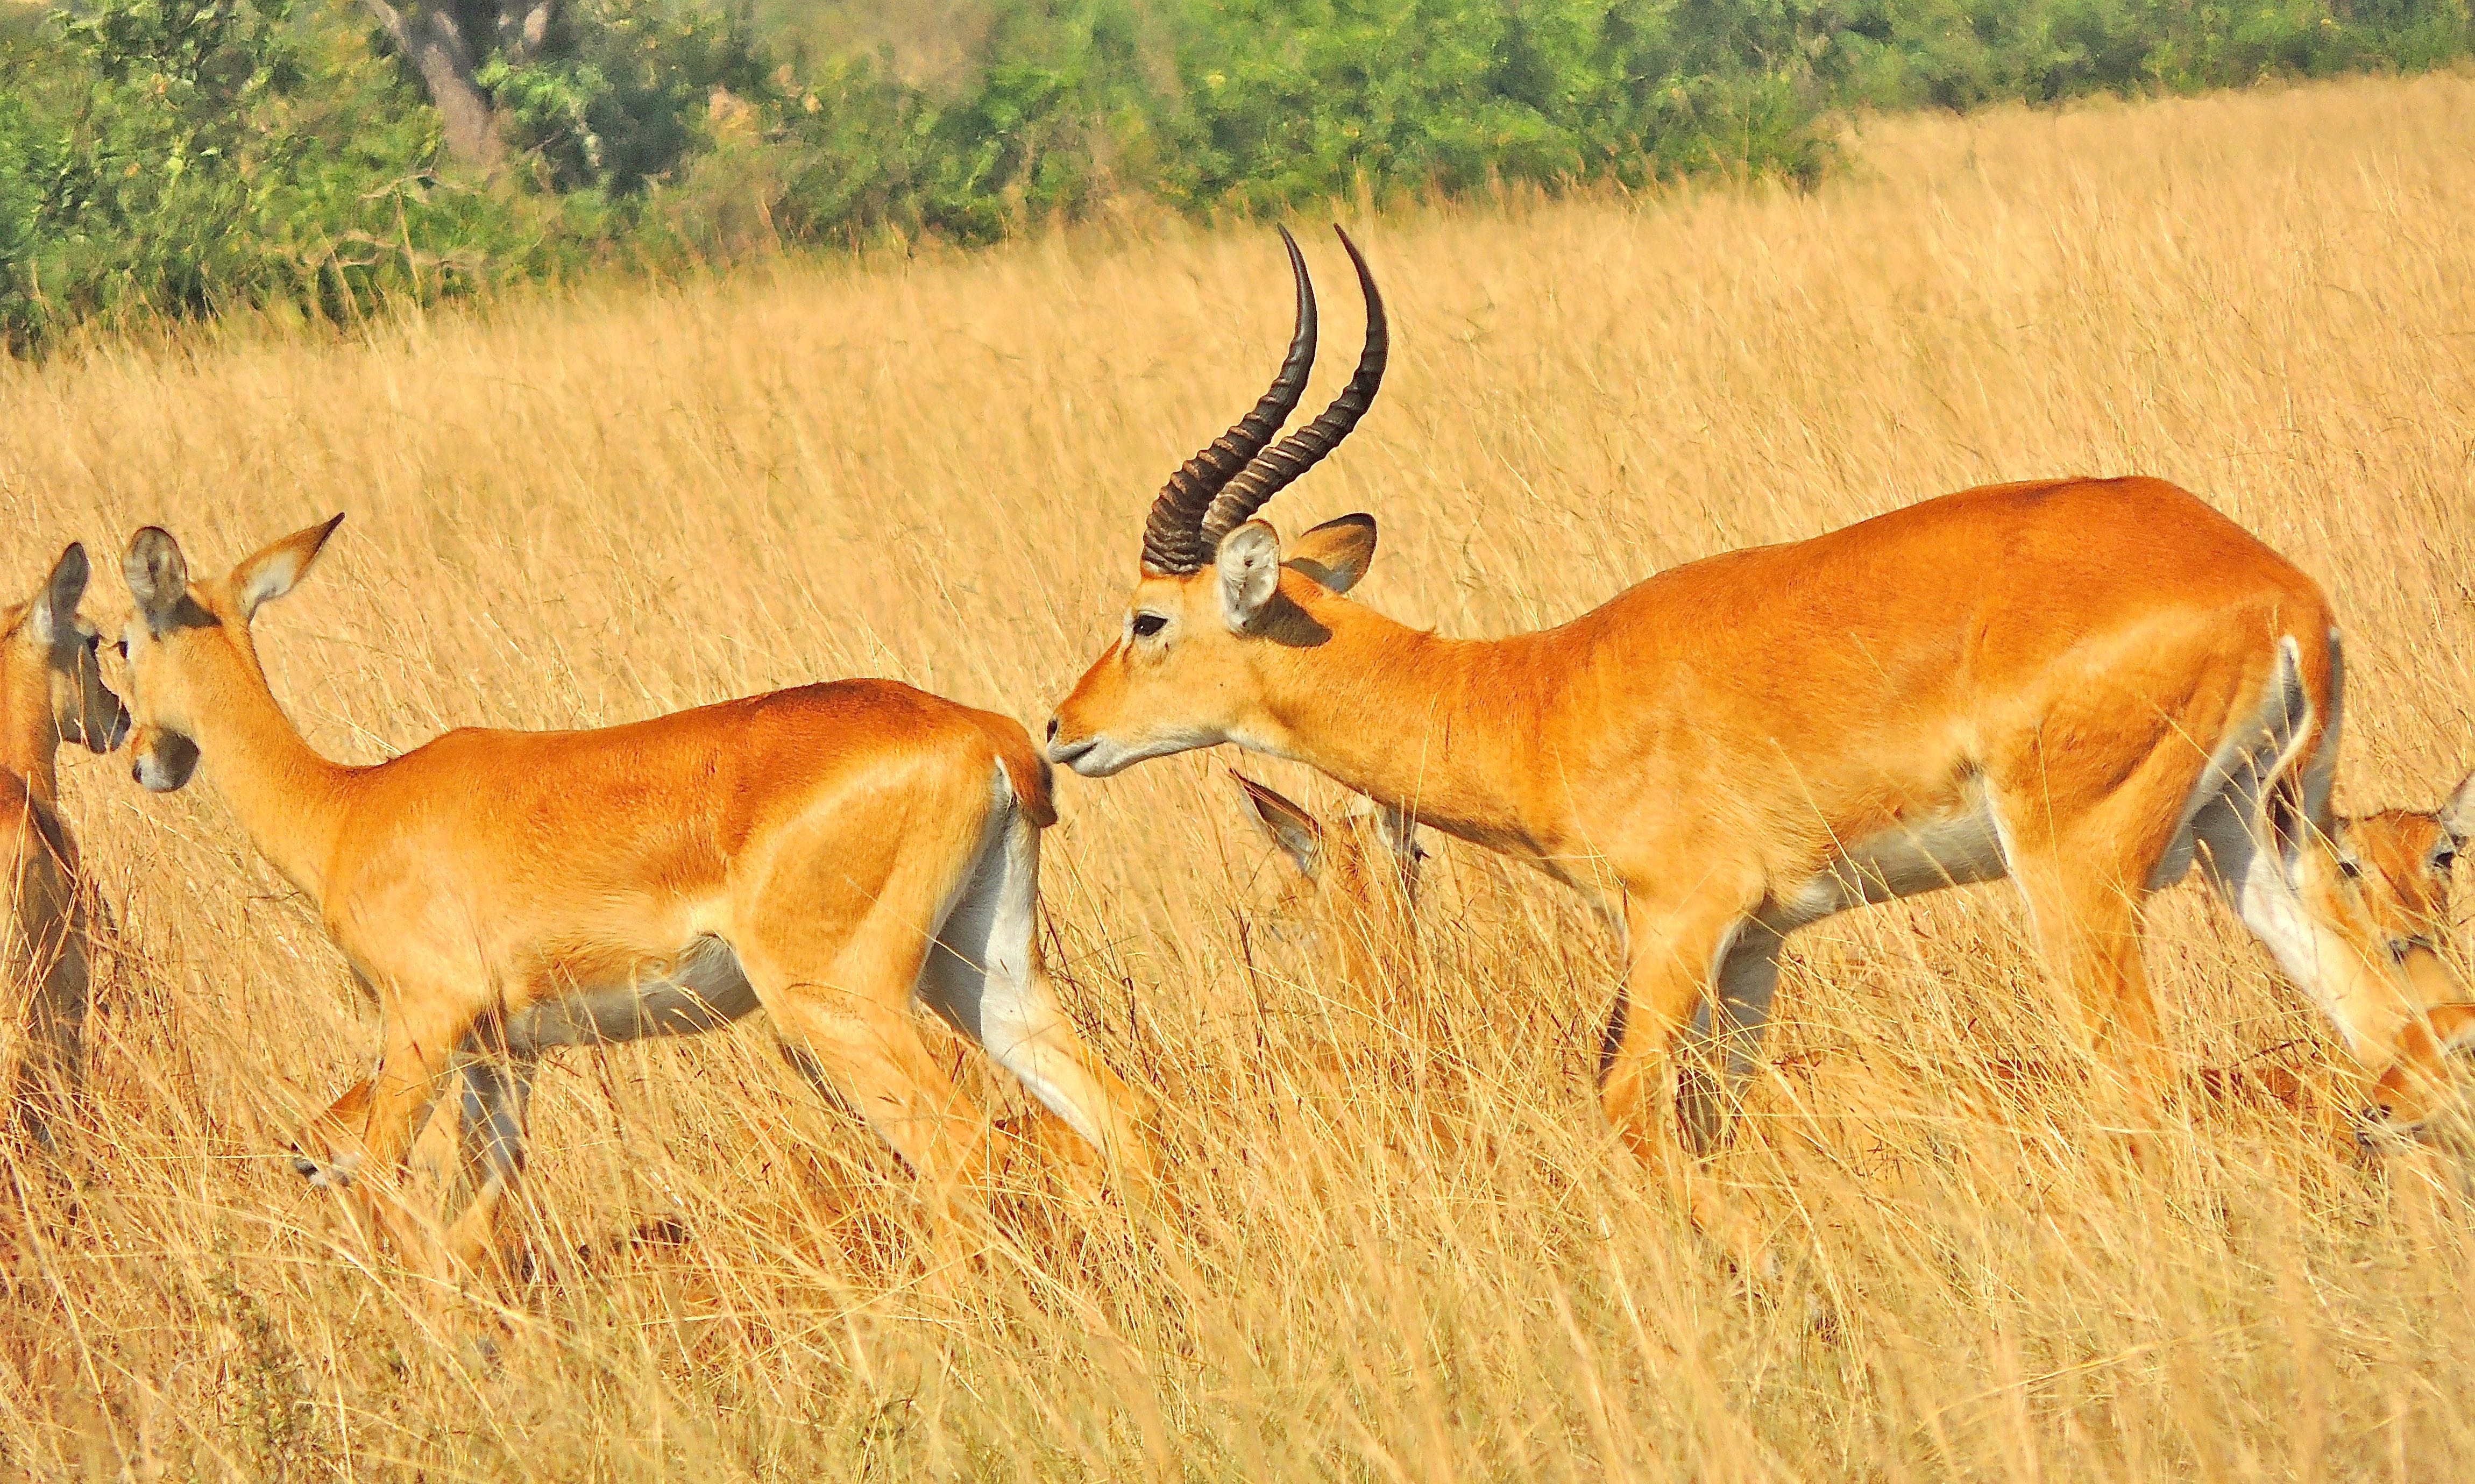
<point x="157" y="576"/>
<point x="272" y="573"/>
<point x="54" y="608"/>
<point x="1249" y="569"/>
<point x="1298" y="834"/>
<point x="2458" y="815"/>
<point x="1336" y="553"/>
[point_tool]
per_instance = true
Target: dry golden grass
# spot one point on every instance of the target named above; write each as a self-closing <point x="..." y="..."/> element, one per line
<point x="598" y="508"/>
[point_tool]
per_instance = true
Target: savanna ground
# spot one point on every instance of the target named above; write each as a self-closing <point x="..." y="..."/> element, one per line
<point x="1433" y="1265"/>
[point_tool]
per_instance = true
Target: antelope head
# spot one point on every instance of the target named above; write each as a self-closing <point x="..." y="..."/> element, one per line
<point x="191" y="659"/>
<point x="1216" y="602"/>
<point x="53" y="675"/>
<point x="2397" y="864"/>
<point x="1359" y="861"/>
<point x="2403" y="858"/>
<point x="1352" y="888"/>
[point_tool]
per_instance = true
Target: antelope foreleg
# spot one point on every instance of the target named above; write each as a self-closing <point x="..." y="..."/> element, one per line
<point x="1675" y="952"/>
<point x="366" y="1132"/>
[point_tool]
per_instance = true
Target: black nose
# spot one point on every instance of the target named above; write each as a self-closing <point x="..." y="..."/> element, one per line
<point x="1052" y="729"/>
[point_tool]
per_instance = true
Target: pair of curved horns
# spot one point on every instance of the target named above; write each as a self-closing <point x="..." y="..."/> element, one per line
<point x="1221" y="487"/>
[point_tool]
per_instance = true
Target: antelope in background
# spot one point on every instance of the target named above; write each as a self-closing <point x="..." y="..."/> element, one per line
<point x="51" y="691"/>
<point x="829" y="853"/>
<point x="2405" y="859"/>
<point x="2402" y="861"/>
<point x="1351" y="889"/>
<point x="2087" y="686"/>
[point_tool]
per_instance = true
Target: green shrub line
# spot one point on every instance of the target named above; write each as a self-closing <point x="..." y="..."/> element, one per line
<point x="174" y="158"/>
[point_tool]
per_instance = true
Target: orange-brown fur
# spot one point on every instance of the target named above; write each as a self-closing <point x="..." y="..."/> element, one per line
<point x="2408" y="860"/>
<point x="2405" y="861"/>
<point x="1699" y="748"/>
<point x="51" y="691"/>
<point x="1349" y="885"/>
<point x="488" y="878"/>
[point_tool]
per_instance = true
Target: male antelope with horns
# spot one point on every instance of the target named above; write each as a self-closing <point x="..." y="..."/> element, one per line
<point x="2085" y="685"/>
<point x="827" y="853"/>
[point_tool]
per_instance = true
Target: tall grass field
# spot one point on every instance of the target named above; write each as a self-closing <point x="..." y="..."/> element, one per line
<point x="1390" y="1248"/>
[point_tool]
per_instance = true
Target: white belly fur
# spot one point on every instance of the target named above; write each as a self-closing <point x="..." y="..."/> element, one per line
<point x="698" y="990"/>
<point x="1924" y="853"/>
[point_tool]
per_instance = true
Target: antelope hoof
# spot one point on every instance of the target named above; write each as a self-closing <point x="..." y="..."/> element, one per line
<point x="2377" y="1130"/>
<point x="328" y="1174"/>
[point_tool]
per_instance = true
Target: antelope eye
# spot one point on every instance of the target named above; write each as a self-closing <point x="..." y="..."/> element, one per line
<point x="2349" y="870"/>
<point x="1146" y="624"/>
<point x="2443" y="860"/>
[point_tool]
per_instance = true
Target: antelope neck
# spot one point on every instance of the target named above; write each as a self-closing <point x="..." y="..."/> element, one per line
<point x="289" y="799"/>
<point x="1436" y="727"/>
<point x="29" y="738"/>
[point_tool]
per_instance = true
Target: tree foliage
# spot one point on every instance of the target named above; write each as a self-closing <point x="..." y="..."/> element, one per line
<point x="181" y="157"/>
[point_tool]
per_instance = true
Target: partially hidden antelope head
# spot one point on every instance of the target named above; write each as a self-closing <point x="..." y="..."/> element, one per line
<point x="51" y="691"/>
<point x="2087" y="687"/>
<point x="2406" y="860"/>
<point x="2401" y="864"/>
<point x="51" y="679"/>
<point x="1350" y="886"/>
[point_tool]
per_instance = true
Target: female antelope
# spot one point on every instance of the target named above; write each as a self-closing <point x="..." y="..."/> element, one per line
<point x="828" y="852"/>
<point x="2403" y="860"/>
<point x="2085" y="685"/>
<point x="51" y="691"/>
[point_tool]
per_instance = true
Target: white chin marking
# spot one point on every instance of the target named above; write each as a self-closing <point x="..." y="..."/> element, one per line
<point x="1101" y="762"/>
<point x="1106" y="756"/>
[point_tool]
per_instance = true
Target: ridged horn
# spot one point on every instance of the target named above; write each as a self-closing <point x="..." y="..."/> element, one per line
<point x="1173" y="543"/>
<point x="1275" y="468"/>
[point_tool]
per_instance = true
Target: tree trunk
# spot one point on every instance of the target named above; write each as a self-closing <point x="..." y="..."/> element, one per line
<point x="431" y="41"/>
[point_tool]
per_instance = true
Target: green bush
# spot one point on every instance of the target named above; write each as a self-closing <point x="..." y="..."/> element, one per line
<point x="622" y="94"/>
<point x="1286" y="101"/>
<point x="169" y="159"/>
<point x="1962" y="53"/>
<point x="1056" y="114"/>
<point x="185" y="156"/>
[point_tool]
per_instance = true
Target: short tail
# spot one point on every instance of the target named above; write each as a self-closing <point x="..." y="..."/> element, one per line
<point x="1026" y="770"/>
<point x="2298" y="801"/>
<point x="2266" y="785"/>
<point x="2321" y="767"/>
